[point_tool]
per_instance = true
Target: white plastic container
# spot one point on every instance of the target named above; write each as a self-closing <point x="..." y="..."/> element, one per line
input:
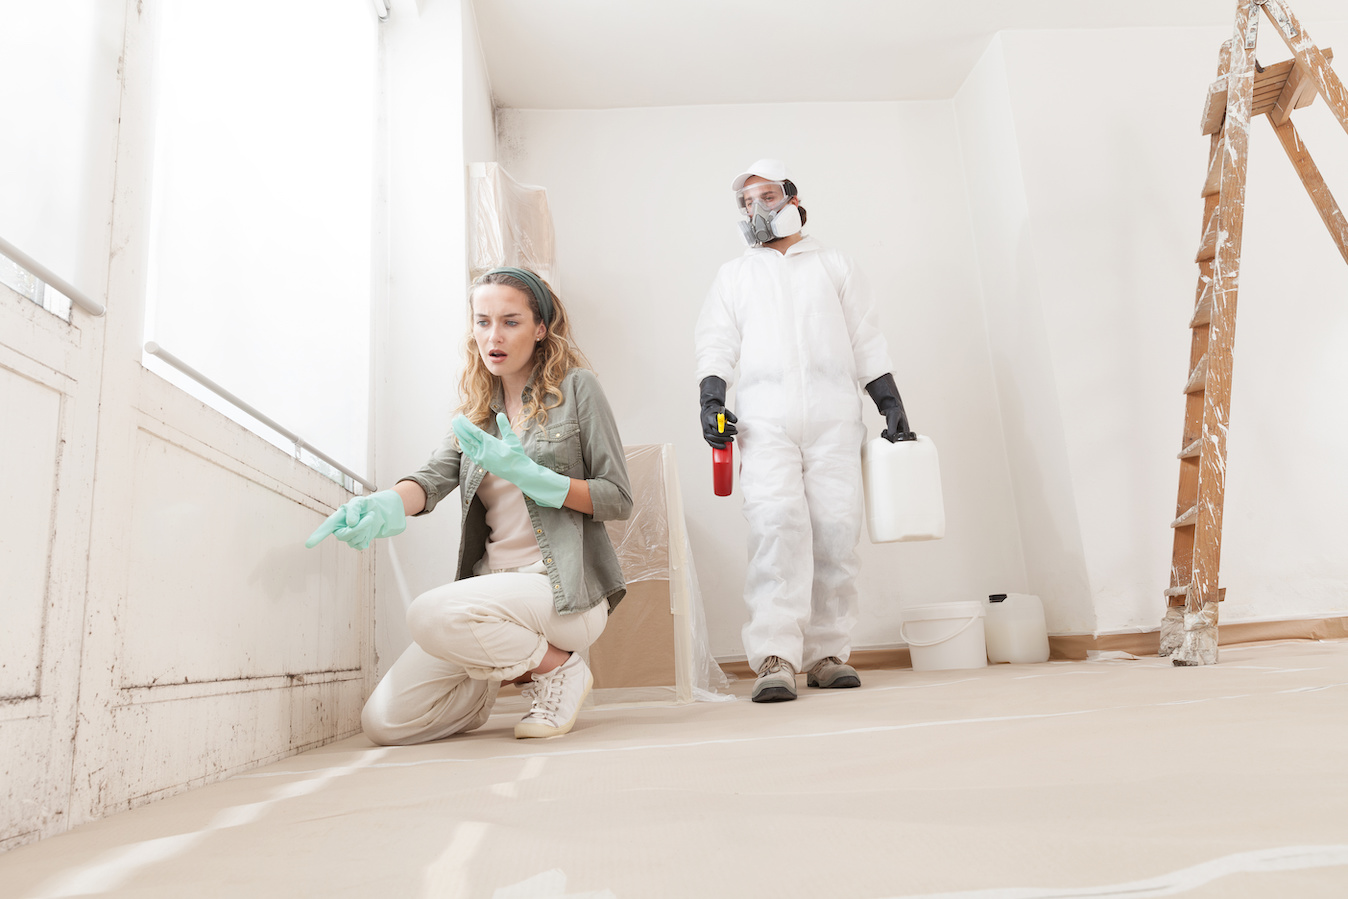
<point x="945" y="635"/>
<point x="902" y="483"/>
<point x="1015" y="628"/>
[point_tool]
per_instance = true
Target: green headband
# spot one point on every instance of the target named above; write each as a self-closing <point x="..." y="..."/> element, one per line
<point x="536" y="287"/>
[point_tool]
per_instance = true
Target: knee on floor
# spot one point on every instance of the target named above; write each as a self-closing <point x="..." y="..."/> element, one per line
<point x="377" y="728"/>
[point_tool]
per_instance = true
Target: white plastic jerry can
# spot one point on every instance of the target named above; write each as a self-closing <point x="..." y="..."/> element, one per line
<point x="1014" y="628"/>
<point x="902" y="483"/>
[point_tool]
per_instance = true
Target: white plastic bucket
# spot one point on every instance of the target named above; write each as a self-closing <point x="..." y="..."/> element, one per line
<point x="945" y="635"/>
<point x="1015" y="628"/>
<point x="902" y="484"/>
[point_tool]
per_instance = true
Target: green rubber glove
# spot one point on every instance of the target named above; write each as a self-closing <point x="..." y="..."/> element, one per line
<point x="362" y="519"/>
<point x="506" y="458"/>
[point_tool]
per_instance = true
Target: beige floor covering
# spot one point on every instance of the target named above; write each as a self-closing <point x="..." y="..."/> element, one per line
<point x="1108" y="777"/>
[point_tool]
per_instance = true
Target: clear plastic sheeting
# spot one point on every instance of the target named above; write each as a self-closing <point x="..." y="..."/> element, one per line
<point x="509" y="224"/>
<point x="642" y="541"/>
<point x="663" y="604"/>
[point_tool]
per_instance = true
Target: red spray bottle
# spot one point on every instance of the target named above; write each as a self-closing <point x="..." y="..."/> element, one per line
<point x="722" y="463"/>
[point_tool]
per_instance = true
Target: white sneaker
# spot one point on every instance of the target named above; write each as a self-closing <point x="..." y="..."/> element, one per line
<point x="556" y="697"/>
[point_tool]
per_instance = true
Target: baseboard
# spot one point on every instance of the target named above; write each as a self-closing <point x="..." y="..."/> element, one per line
<point x="1074" y="647"/>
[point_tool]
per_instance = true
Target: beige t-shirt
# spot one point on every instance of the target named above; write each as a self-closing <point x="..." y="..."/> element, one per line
<point x="510" y="539"/>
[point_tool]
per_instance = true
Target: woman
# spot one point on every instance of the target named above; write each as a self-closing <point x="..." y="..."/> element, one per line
<point x="539" y="463"/>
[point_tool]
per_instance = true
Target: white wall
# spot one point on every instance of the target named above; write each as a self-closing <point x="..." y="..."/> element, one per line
<point x="644" y="216"/>
<point x="1087" y="246"/>
<point x="179" y="621"/>
<point x="1031" y="418"/>
<point x="479" y="111"/>
<point x="440" y="118"/>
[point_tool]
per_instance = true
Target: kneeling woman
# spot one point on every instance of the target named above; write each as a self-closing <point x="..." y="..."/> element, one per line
<point x="539" y="466"/>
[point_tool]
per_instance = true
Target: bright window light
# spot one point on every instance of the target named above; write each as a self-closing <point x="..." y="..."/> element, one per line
<point x="58" y="115"/>
<point x="262" y="218"/>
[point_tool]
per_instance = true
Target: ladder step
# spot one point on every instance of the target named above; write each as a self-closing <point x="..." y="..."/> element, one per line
<point x="1213" y="183"/>
<point x="1198" y="377"/>
<point x="1214" y="107"/>
<point x="1189" y="517"/>
<point x="1283" y="81"/>
<point x="1203" y="308"/>
<point x="1191" y="450"/>
<point x="1209" y="246"/>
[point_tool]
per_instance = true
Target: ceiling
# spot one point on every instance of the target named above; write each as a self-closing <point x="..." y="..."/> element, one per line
<point x="601" y="54"/>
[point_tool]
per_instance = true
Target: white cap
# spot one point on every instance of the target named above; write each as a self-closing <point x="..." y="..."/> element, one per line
<point x="771" y="169"/>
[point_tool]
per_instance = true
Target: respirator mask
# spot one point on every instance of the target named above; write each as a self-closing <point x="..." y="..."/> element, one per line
<point x="768" y="211"/>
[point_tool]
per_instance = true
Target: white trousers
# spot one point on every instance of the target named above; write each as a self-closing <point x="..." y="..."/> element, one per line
<point x="468" y="637"/>
<point x="803" y="503"/>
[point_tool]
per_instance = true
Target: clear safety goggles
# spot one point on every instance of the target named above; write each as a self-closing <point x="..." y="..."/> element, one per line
<point x="772" y="194"/>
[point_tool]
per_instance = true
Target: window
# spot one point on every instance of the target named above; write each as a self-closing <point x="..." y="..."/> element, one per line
<point x="58" y="105"/>
<point x="26" y="284"/>
<point x="262" y="213"/>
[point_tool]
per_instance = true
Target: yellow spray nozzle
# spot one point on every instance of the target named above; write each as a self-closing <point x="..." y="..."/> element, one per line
<point x="720" y="422"/>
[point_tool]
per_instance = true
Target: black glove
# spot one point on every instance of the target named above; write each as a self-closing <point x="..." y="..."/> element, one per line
<point x="886" y="396"/>
<point x="713" y="404"/>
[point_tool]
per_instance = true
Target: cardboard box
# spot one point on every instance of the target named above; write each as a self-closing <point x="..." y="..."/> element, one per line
<point x="648" y="639"/>
<point x="637" y="646"/>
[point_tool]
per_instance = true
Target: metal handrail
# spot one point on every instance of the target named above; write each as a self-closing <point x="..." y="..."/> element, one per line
<point x="156" y="350"/>
<point x="49" y="277"/>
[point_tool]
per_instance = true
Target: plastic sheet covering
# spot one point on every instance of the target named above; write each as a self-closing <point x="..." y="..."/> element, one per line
<point x="509" y="224"/>
<point x="642" y="541"/>
<point x="654" y="550"/>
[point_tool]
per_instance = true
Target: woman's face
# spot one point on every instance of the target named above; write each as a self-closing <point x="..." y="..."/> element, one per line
<point x="505" y="331"/>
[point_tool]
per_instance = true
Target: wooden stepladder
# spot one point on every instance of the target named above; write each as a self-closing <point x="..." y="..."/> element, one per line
<point x="1243" y="89"/>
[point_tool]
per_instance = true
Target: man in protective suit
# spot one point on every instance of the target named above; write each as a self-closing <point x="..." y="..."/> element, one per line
<point x="797" y="319"/>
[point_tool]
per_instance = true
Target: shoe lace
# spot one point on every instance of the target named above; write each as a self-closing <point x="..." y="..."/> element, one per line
<point x="544" y="693"/>
<point x="772" y="665"/>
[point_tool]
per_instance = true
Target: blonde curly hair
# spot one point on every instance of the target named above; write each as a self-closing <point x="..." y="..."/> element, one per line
<point x="554" y="356"/>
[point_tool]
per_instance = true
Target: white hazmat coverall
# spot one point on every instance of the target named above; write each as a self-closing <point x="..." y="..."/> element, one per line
<point x="802" y="329"/>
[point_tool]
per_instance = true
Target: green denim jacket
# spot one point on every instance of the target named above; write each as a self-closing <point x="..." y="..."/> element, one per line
<point x="580" y="441"/>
